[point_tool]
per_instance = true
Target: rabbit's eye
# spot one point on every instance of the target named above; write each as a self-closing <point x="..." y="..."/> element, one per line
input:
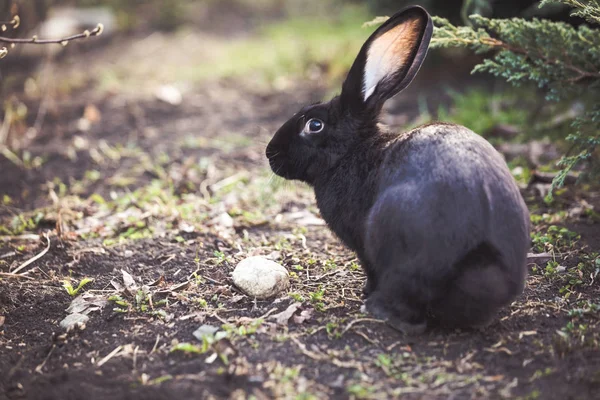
<point x="314" y="125"/>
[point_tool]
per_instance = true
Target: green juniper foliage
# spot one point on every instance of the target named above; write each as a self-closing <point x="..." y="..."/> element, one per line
<point x="589" y="10"/>
<point x="562" y="60"/>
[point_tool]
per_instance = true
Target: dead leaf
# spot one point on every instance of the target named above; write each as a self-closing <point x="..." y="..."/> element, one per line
<point x="236" y="299"/>
<point x="117" y="285"/>
<point x="158" y="282"/>
<point x="303" y="316"/>
<point x="223" y="289"/>
<point x="205" y="331"/>
<point x="85" y="304"/>
<point x="74" y="320"/>
<point x="2" y="319"/>
<point x="129" y="282"/>
<point x="283" y="317"/>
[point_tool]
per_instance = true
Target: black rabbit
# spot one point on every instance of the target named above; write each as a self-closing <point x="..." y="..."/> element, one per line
<point x="434" y="214"/>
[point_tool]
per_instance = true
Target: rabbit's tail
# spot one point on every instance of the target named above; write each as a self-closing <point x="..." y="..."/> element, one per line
<point x="481" y="288"/>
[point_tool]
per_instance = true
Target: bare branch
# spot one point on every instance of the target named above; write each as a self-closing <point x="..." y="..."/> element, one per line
<point x="15" y="23"/>
<point x="64" y="41"/>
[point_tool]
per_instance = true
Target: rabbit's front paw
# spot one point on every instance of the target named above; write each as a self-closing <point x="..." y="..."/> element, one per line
<point x="404" y="321"/>
<point x="368" y="288"/>
<point x="408" y="328"/>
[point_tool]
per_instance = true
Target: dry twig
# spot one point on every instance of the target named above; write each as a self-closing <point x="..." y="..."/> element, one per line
<point x="359" y="320"/>
<point x="324" y="357"/>
<point x="109" y="356"/>
<point x="35" y="258"/>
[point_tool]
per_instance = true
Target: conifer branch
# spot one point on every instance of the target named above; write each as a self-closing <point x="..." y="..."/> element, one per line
<point x="561" y="59"/>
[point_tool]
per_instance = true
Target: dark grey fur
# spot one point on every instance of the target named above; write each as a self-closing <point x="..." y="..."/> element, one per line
<point x="434" y="214"/>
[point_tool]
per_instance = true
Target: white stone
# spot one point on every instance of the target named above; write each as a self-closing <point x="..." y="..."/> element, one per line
<point x="169" y="94"/>
<point x="260" y="277"/>
<point x="73" y="320"/>
<point x="224" y="220"/>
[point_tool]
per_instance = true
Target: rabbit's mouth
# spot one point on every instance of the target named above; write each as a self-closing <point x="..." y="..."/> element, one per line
<point x="279" y="164"/>
<point x="279" y="167"/>
<point x="276" y="161"/>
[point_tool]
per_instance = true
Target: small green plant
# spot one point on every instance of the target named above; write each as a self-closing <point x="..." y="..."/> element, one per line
<point x="333" y="330"/>
<point x="141" y="302"/>
<point x="316" y="298"/>
<point x="252" y="328"/>
<point x="354" y="266"/>
<point x="534" y="395"/>
<point x="554" y="239"/>
<point x="557" y="217"/>
<point x="190" y="348"/>
<point x="330" y="265"/>
<point x="220" y="257"/>
<point x="160" y="379"/>
<point x="123" y="306"/>
<point x="361" y="391"/>
<point x="541" y="373"/>
<point x="385" y="362"/>
<point x="73" y="291"/>
<point x="202" y="302"/>
<point x="297" y="297"/>
<point x="551" y="269"/>
<point x="573" y="281"/>
<point x="22" y="223"/>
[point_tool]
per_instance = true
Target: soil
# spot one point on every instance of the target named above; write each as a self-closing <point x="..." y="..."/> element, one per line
<point x="206" y="154"/>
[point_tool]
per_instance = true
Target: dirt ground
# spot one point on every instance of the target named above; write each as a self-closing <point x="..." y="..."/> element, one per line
<point x="156" y="203"/>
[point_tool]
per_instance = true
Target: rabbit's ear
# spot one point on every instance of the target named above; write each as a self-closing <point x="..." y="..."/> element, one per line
<point x="388" y="61"/>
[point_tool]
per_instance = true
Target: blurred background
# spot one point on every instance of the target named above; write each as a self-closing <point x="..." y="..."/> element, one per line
<point x="168" y="74"/>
